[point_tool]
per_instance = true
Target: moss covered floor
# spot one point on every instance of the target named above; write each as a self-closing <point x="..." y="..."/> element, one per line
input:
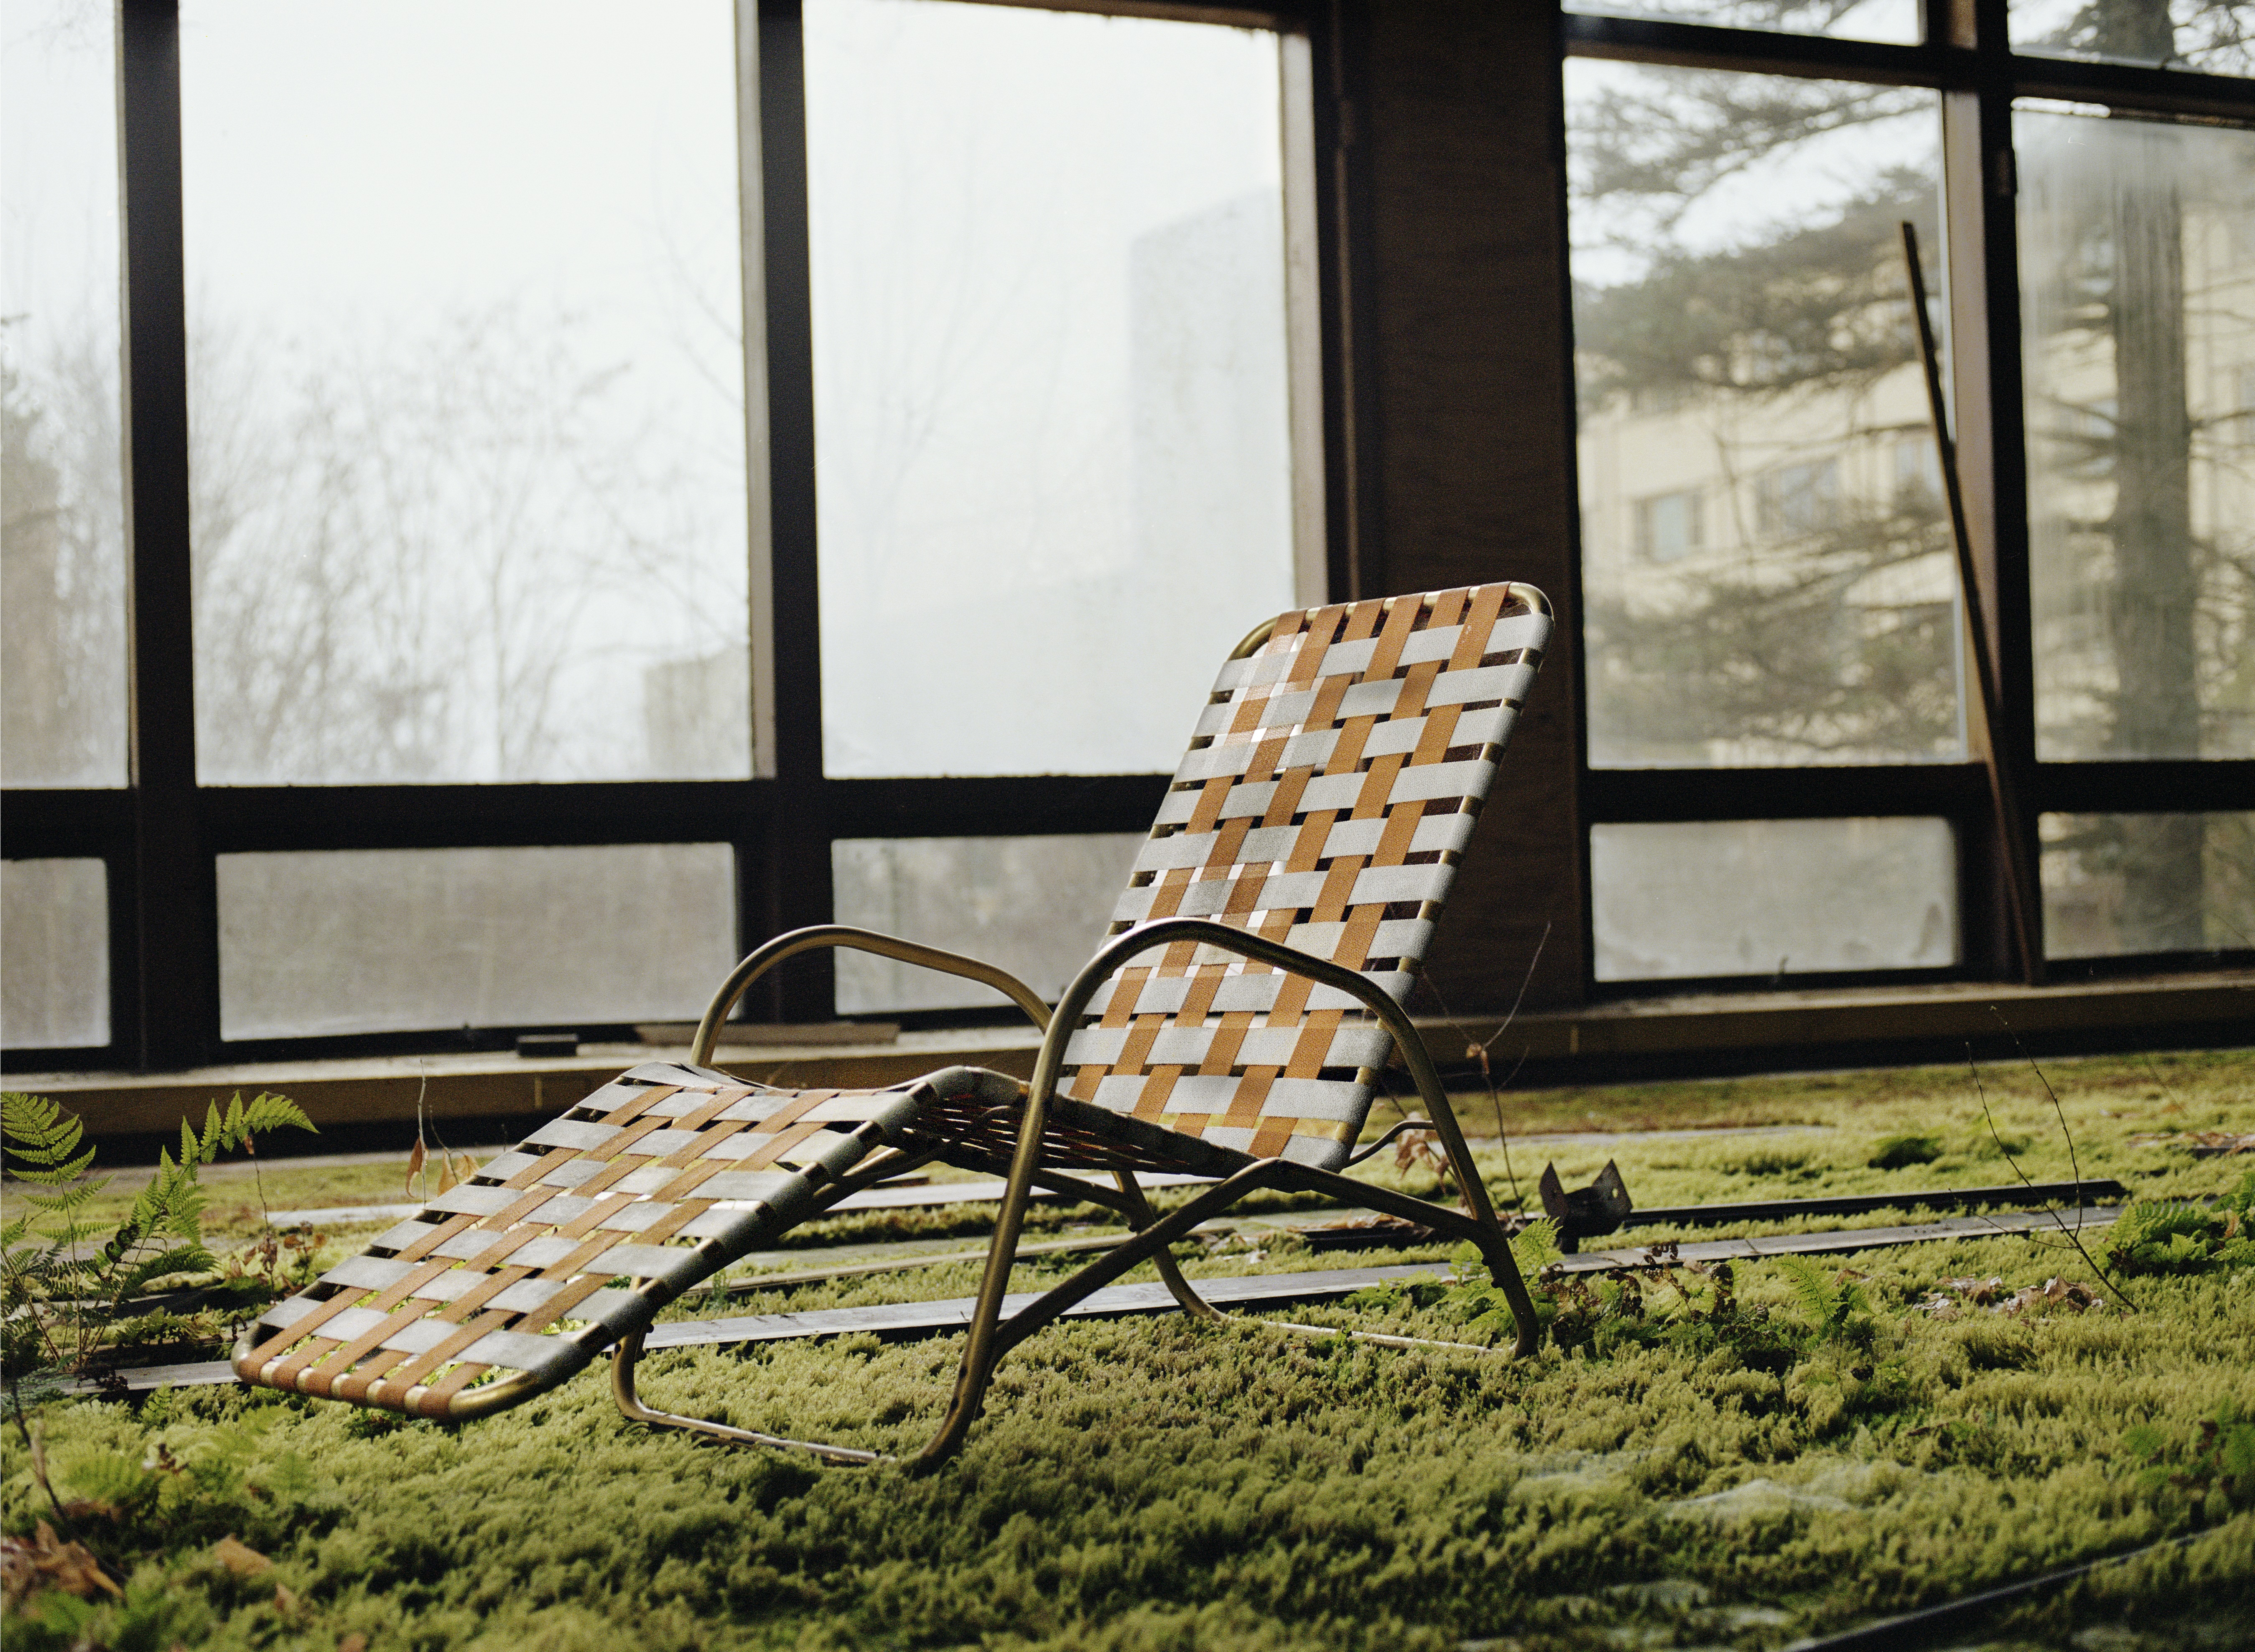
<point x="1156" y="1483"/>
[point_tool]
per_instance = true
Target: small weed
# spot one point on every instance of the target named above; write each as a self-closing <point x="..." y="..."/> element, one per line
<point x="2176" y="1236"/>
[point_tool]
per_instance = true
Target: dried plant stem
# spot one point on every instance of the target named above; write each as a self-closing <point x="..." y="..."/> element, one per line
<point x="2074" y="1237"/>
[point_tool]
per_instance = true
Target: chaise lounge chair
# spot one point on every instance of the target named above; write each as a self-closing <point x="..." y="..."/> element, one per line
<point x="1287" y="890"/>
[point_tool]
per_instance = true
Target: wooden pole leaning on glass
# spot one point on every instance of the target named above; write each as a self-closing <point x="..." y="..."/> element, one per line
<point x="2003" y="792"/>
<point x="1231" y="1029"/>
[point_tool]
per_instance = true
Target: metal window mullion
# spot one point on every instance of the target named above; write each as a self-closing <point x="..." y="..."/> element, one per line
<point x="787" y="885"/>
<point x="173" y="958"/>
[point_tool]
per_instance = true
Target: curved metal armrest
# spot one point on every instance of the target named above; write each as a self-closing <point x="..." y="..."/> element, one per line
<point x="860" y="940"/>
<point x="1165" y="931"/>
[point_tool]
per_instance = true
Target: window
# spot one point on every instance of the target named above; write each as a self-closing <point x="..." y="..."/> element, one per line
<point x="811" y="414"/>
<point x="2142" y="530"/>
<point x="1667" y="527"/>
<point x="596" y="487"/>
<point x="1052" y="386"/>
<point x="467" y="405"/>
<point x="1742" y="316"/>
<point x="62" y="614"/>
<point x="1772" y="898"/>
<point x="1765" y="298"/>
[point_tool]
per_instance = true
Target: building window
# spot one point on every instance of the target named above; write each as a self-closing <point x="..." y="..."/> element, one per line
<point x="1668" y="526"/>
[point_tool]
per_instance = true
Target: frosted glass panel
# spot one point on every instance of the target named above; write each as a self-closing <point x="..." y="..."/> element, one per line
<point x="395" y="940"/>
<point x="62" y="610"/>
<point x="1035" y="906"/>
<point x="1895" y="20"/>
<point x="2217" y="37"/>
<point x="1773" y="897"/>
<point x="54" y="954"/>
<point x="2138" y="269"/>
<point x="466" y="390"/>
<point x="1766" y="570"/>
<point x="2123" y="883"/>
<point x="1054" y="461"/>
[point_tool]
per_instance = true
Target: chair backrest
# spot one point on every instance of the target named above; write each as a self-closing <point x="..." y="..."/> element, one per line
<point x="1332" y="783"/>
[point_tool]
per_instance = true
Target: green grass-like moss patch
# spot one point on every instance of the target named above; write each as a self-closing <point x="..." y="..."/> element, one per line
<point x="1863" y="1439"/>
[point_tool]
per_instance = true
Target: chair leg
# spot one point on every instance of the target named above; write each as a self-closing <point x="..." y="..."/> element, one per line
<point x="628" y="1355"/>
<point x="1494" y="1249"/>
<point x="1140" y="1217"/>
<point x="991" y="1336"/>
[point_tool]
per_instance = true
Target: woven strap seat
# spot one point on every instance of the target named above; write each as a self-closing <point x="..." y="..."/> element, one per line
<point x="574" y="1239"/>
<point x="1231" y="1028"/>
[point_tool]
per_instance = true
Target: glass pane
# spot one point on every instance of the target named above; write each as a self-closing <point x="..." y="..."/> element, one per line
<point x="466" y="390"/>
<point x="62" y="519"/>
<point x="2138" y="273"/>
<point x="1766" y="571"/>
<point x="1773" y="897"/>
<point x="1035" y="906"/>
<point x="2217" y="37"/>
<point x="54" y="954"/>
<point x="1049" y="380"/>
<point x="400" y="940"/>
<point x="2123" y="883"/>
<point x="1895" y="20"/>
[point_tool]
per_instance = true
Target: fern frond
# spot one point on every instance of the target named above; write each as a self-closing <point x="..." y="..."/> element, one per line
<point x="270" y="1112"/>
<point x="69" y="1201"/>
<point x="1818" y="1299"/>
<point x="1535" y="1246"/>
<point x="42" y="1140"/>
<point x="228" y="1131"/>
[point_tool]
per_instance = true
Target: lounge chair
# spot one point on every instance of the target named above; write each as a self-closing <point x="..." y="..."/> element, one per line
<point x="1232" y="1027"/>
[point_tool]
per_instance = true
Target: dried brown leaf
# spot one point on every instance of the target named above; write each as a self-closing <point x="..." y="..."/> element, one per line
<point x="415" y="1157"/>
<point x="29" y="1565"/>
<point x="240" y="1558"/>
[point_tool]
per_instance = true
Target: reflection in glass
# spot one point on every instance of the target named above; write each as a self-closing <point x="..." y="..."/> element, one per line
<point x="1051" y="390"/>
<point x="1895" y="20"/>
<point x="1766" y="570"/>
<point x="402" y="940"/>
<point x="54" y="954"/>
<point x="2137" y="269"/>
<point x="466" y="390"/>
<point x="2216" y="36"/>
<point x="62" y="521"/>
<point x="2116" y="885"/>
<point x="1773" y="897"/>
<point x="1035" y="906"/>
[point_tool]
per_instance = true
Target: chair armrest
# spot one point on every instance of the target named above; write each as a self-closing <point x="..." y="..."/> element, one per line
<point x="793" y="942"/>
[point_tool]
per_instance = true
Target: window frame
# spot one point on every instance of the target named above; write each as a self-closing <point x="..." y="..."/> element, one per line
<point x="1965" y="56"/>
<point x="160" y="836"/>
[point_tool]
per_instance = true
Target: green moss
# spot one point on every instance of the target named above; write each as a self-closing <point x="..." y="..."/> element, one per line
<point x="1156" y="1483"/>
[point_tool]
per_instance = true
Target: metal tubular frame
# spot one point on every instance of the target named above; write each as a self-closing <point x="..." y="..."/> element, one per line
<point x="990" y="1337"/>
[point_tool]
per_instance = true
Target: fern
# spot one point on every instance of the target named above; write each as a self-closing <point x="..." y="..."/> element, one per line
<point x="1535" y="1246"/>
<point x="1830" y="1304"/>
<point x="59" y="1292"/>
<point x="38" y="1131"/>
